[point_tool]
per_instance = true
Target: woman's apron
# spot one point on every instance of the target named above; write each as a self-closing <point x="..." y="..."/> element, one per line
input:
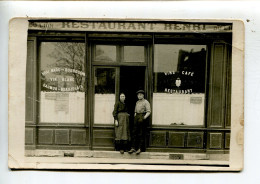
<point x="122" y="130"/>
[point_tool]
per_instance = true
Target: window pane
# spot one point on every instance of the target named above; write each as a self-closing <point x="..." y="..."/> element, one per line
<point x="62" y="82"/>
<point x="104" y="95"/>
<point x="133" y="53"/>
<point x="179" y="84"/>
<point x="105" y="53"/>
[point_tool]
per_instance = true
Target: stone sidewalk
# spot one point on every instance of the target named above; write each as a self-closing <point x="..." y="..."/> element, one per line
<point x="116" y="155"/>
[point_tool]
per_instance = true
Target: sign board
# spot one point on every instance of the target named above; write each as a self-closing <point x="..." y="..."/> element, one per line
<point x="110" y="26"/>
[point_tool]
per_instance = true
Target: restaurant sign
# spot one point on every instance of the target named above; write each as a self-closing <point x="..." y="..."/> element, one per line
<point x="130" y="26"/>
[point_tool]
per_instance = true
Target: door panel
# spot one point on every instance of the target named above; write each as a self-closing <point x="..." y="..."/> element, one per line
<point x="105" y="82"/>
<point x="104" y="96"/>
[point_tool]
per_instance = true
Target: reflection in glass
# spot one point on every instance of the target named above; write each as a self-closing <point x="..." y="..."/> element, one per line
<point x="104" y="95"/>
<point x="179" y="84"/>
<point x="106" y="53"/>
<point x="62" y="82"/>
<point x="133" y="53"/>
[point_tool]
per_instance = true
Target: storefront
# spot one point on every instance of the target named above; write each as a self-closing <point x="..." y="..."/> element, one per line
<point x="77" y="69"/>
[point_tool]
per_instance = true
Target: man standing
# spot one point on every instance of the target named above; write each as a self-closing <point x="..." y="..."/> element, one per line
<point x="142" y="112"/>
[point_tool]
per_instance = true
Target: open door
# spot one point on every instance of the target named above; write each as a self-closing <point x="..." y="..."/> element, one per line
<point x="132" y="79"/>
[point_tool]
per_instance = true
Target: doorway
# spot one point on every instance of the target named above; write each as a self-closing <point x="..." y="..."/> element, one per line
<point x="132" y="79"/>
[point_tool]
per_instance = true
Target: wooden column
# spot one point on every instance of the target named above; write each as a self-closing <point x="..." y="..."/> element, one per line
<point x="30" y="98"/>
<point x="219" y="98"/>
<point x="217" y="86"/>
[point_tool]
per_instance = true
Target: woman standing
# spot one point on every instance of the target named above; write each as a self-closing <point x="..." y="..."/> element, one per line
<point x="121" y="118"/>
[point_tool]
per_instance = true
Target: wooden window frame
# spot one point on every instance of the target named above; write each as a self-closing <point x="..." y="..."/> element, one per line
<point x="66" y="38"/>
<point x="183" y="42"/>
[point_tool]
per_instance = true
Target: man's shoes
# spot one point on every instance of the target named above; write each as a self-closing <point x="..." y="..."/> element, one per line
<point x="122" y="151"/>
<point x="131" y="151"/>
<point x="138" y="151"/>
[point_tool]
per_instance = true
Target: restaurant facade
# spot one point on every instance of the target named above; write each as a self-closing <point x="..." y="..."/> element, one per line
<point x="76" y="70"/>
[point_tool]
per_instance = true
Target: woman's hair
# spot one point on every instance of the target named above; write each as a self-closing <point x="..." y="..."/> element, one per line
<point x="122" y="93"/>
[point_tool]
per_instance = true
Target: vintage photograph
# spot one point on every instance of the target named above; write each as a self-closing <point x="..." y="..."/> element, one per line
<point x="131" y="92"/>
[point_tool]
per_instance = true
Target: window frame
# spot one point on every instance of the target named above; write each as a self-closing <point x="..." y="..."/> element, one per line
<point x="119" y="43"/>
<point x="93" y="94"/>
<point x="183" y="41"/>
<point x="48" y="38"/>
<point x="93" y="53"/>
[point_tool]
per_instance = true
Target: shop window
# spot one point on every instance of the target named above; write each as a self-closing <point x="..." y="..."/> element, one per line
<point x="179" y="84"/>
<point x="105" y="53"/>
<point x="62" y="90"/>
<point x="104" y="80"/>
<point x="134" y="54"/>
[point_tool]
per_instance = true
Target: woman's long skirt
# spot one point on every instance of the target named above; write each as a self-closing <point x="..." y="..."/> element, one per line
<point x="122" y="130"/>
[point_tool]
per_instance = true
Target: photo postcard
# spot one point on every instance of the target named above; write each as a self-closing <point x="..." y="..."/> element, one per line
<point x="126" y="94"/>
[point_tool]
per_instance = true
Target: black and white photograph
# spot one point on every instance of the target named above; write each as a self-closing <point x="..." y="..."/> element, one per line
<point x="125" y="93"/>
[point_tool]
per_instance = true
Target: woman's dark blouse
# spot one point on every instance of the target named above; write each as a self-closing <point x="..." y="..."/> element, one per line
<point x="119" y="107"/>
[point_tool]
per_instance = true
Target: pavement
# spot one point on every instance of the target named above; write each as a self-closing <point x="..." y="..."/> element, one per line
<point x="116" y="155"/>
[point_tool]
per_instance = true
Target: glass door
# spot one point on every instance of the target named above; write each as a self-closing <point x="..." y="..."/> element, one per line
<point x="104" y="95"/>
